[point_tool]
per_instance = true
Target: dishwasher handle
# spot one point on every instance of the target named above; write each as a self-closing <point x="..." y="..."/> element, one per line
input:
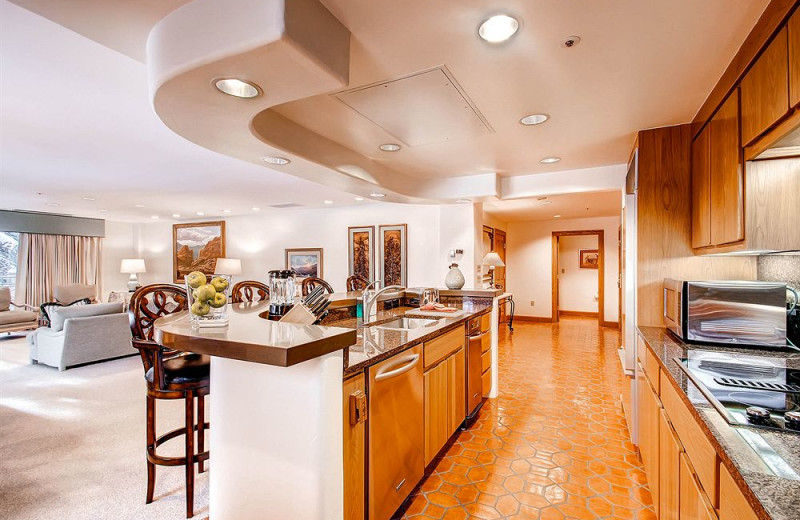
<point x="478" y="336"/>
<point x="388" y="374"/>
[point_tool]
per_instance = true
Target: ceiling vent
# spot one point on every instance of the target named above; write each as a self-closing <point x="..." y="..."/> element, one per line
<point x="422" y="108"/>
<point x="284" y="206"/>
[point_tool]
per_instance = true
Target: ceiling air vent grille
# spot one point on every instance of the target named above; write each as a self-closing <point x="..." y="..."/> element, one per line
<point x="284" y="206"/>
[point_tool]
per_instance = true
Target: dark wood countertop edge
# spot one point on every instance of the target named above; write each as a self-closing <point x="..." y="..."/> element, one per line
<point x="744" y="487"/>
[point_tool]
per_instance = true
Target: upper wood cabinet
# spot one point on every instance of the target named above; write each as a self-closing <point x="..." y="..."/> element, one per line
<point x="718" y="179"/>
<point x="794" y="59"/>
<point x="765" y="89"/>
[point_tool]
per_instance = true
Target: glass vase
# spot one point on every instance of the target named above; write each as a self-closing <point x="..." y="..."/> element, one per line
<point x="208" y="302"/>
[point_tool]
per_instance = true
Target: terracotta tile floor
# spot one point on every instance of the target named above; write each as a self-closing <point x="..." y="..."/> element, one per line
<point x="553" y="445"/>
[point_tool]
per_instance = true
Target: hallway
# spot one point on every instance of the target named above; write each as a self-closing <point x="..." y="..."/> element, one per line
<point x="553" y="445"/>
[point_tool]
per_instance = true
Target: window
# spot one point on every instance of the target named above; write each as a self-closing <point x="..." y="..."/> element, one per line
<point x="9" y="245"/>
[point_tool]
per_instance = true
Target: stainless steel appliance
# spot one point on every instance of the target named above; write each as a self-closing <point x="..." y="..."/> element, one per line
<point x="475" y="337"/>
<point x="396" y="437"/>
<point x="748" y="390"/>
<point x="728" y="312"/>
<point x="281" y="291"/>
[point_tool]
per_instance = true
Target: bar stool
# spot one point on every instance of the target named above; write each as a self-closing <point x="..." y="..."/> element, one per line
<point x="249" y="291"/>
<point x="310" y="283"/>
<point x="170" y="374"/>
<point x="356" y="283"/>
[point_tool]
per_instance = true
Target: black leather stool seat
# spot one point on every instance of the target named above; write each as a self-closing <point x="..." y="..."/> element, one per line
<point x="188" y="368"/>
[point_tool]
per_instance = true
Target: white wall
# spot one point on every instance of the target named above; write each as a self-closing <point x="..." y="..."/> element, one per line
<point x="260" y="241"/>
<point x="529" y="263"/>
<point x="118" y="243"/>
<point x="577" y="288"/>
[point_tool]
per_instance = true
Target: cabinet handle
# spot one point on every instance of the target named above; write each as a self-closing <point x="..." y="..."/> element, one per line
<point x="388" y="374"/>
<point x="358" y="407"/>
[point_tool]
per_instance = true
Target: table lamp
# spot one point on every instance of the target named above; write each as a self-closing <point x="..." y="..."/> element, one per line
<point x="132" y="266"/>
<point x="229" y="266"/>
<point x="493" y="260"/>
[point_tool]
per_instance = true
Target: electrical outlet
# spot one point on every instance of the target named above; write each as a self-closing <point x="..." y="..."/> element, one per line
<point x="531" y="303"/>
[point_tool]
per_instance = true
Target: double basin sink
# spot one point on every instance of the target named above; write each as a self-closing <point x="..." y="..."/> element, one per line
<point x="409" y="323"/>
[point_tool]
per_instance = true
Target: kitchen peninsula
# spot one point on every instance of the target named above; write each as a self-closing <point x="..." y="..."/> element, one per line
<point x="278" y="405"/>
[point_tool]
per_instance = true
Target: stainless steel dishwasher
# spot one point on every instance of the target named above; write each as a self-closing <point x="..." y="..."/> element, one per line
<point x="396" y="437"/>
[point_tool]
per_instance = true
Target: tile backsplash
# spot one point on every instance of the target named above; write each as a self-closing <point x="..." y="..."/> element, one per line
<point x="780" y="268"/>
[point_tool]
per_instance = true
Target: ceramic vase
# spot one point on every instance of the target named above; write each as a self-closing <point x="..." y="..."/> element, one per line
<point x="454" y="278"/>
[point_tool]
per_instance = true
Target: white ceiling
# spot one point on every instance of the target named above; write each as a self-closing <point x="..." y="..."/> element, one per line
<point x="77" y="120"/>
<point x="568" y="206"/>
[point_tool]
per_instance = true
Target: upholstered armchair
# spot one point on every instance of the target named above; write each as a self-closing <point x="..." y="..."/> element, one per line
<point x="16" y="317"/>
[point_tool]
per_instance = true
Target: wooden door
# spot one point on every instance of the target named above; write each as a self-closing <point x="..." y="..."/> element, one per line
<point x="500" y="249"/>
<point x="794" y="59"/>
<point x="694" y="504"/>
<point x="765" y="89"/>
<point x="727" y="180"/>
<point x="456" y="391"/>
<point x="353" y="391"/>
<point x="701" y="189"/>
<point x="435" y="398"/>
<point x="669" y="467"/>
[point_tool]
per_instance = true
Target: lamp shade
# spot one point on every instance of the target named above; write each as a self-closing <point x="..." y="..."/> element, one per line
<point x="492" y="259"/>
<point x="228" y="266"/>
<point x="132" y="266"/>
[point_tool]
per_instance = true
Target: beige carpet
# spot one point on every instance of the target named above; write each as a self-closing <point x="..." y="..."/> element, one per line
<point x="72" y="443"/>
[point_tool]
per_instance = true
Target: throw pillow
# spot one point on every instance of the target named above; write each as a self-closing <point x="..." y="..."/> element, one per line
<point x="47" y="307"/>
<point x="61" y="314"/>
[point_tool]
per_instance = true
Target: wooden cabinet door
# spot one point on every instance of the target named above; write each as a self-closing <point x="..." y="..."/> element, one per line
<point x="669" y="467"/>
<point x="354" y="447"/>
<point x="765" y="89"/>
<point x="794" y="59"/>
<point x="435" y="398"/>
<point x="649" y="416"/>
<point x="701" y="189"/>
<point x="732" y="503"/>
<point x="456" y="391"/>
<point x="727" y="179"/>
<point x="694" y="504"/>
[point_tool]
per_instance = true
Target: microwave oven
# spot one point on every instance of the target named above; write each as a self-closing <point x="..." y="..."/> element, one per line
<point x="726" y="312"/>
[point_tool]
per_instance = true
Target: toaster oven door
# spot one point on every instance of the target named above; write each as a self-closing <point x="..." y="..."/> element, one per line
<point x="673" y="306"/>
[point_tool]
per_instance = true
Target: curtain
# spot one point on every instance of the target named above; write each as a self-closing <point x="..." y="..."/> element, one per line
<point x="46" y="261"/>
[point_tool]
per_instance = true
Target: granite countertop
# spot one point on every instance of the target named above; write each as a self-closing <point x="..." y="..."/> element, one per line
<point x="249" y="337"/>
<point x="764" y="463"/>
<point x="374" y="344"/>
<point x="350" y="298"/>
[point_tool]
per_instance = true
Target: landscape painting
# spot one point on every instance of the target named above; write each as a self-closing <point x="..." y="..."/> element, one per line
<point x="196" y="247"/>
<point x="306" y="262"/>
<point x="590" y="259"/>
<point x="392" y="254"/>
<point x="360" y="255"/>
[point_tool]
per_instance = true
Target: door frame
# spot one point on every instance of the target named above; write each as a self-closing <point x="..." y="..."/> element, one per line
<point x="601" y="262"/>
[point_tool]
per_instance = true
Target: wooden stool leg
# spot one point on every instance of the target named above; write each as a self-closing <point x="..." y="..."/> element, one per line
<point x="201" y="430"/>
<point x="189" y="454"/>
<point x="151" y="447"/>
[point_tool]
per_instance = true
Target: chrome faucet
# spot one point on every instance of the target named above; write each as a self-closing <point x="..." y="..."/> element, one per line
<point x="370" y="299"/>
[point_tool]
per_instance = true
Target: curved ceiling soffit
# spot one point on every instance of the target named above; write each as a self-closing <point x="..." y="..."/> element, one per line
<point x="206" y="40"/>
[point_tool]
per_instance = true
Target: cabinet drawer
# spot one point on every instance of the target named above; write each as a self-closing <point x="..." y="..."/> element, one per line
<point x="697" y="446"/>
<point x="486" y="382"/>
<point x="439" y="348"/>
<point x="486" y="342"/>
<point x="486" y="361"/>
<point x="647" y="360"/>
<point x="486" y="322"/>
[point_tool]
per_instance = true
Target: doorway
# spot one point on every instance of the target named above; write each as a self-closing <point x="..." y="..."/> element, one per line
<point x="578" y="264"/>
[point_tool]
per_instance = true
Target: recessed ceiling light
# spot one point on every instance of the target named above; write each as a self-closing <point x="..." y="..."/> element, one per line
<point x="52" y="203"/>
<point x="200" y="213"/>
<point x="359" y="199"/>
<point x="237" y="88"/>
<point x="460" y="201"/>
<point x="256" y="209"/>
<point x="139" y="205"/>
<point x="546" y="202"/>
<point x="534" y="119"/>
<point x="498" y="28"/>
<point x="226" y="211"/>
<point x="87" y="198"/>
<point x="154" y="217"/>
<point x="377" y="195"/>
<point x="176" y="215"/>
<point x="328" y="201"/>
<point x="275" y="160"/>
<point x="556" y="216"/>
<point x="550" y="160"/>
<point x="389" y="147"/>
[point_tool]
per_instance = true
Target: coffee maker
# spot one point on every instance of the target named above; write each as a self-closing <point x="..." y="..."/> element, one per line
<point x="281" y="292"/>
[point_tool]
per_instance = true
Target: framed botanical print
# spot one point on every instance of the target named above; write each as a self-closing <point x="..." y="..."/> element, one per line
<point x="196" y="247"/>
<point x="360" y="251"/>
<point x="392" y="257"/>
<point x="590" y="258"/>
<point x="306" y="262"/>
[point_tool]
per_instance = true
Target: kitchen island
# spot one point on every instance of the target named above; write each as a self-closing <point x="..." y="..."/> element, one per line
<point x="277" y="407"/>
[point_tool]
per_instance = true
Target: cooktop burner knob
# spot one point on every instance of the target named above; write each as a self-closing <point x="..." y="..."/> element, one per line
<point x="757" y="415"/>
<point x="792" y="420"/>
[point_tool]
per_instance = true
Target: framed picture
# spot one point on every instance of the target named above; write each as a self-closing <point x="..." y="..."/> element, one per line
<point x="590" y="258"/>
<point x="392" y="254"/>
<point x="196" y="247"/>
<point x="360" y="251"/>
<point x="306" y="261"/>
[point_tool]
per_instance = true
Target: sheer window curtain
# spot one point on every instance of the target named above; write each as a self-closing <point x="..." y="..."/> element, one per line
<point x="46" y="261"/>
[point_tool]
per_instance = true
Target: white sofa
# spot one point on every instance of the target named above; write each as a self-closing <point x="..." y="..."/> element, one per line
<point x="82" y="334"/>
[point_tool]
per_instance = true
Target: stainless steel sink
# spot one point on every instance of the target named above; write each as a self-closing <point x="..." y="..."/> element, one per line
<point x="406" y="323"/>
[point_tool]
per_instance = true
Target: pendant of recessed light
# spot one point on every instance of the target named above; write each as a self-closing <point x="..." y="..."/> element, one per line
<point x="498" y="28"/>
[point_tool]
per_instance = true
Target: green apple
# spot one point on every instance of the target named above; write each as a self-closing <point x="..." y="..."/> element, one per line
<point x="205" y="292"/>
<point x="219" y="300"/>
<point x="200" y="308"/>
<point x="195" y="279"/>
<point x="220" y="283"/>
